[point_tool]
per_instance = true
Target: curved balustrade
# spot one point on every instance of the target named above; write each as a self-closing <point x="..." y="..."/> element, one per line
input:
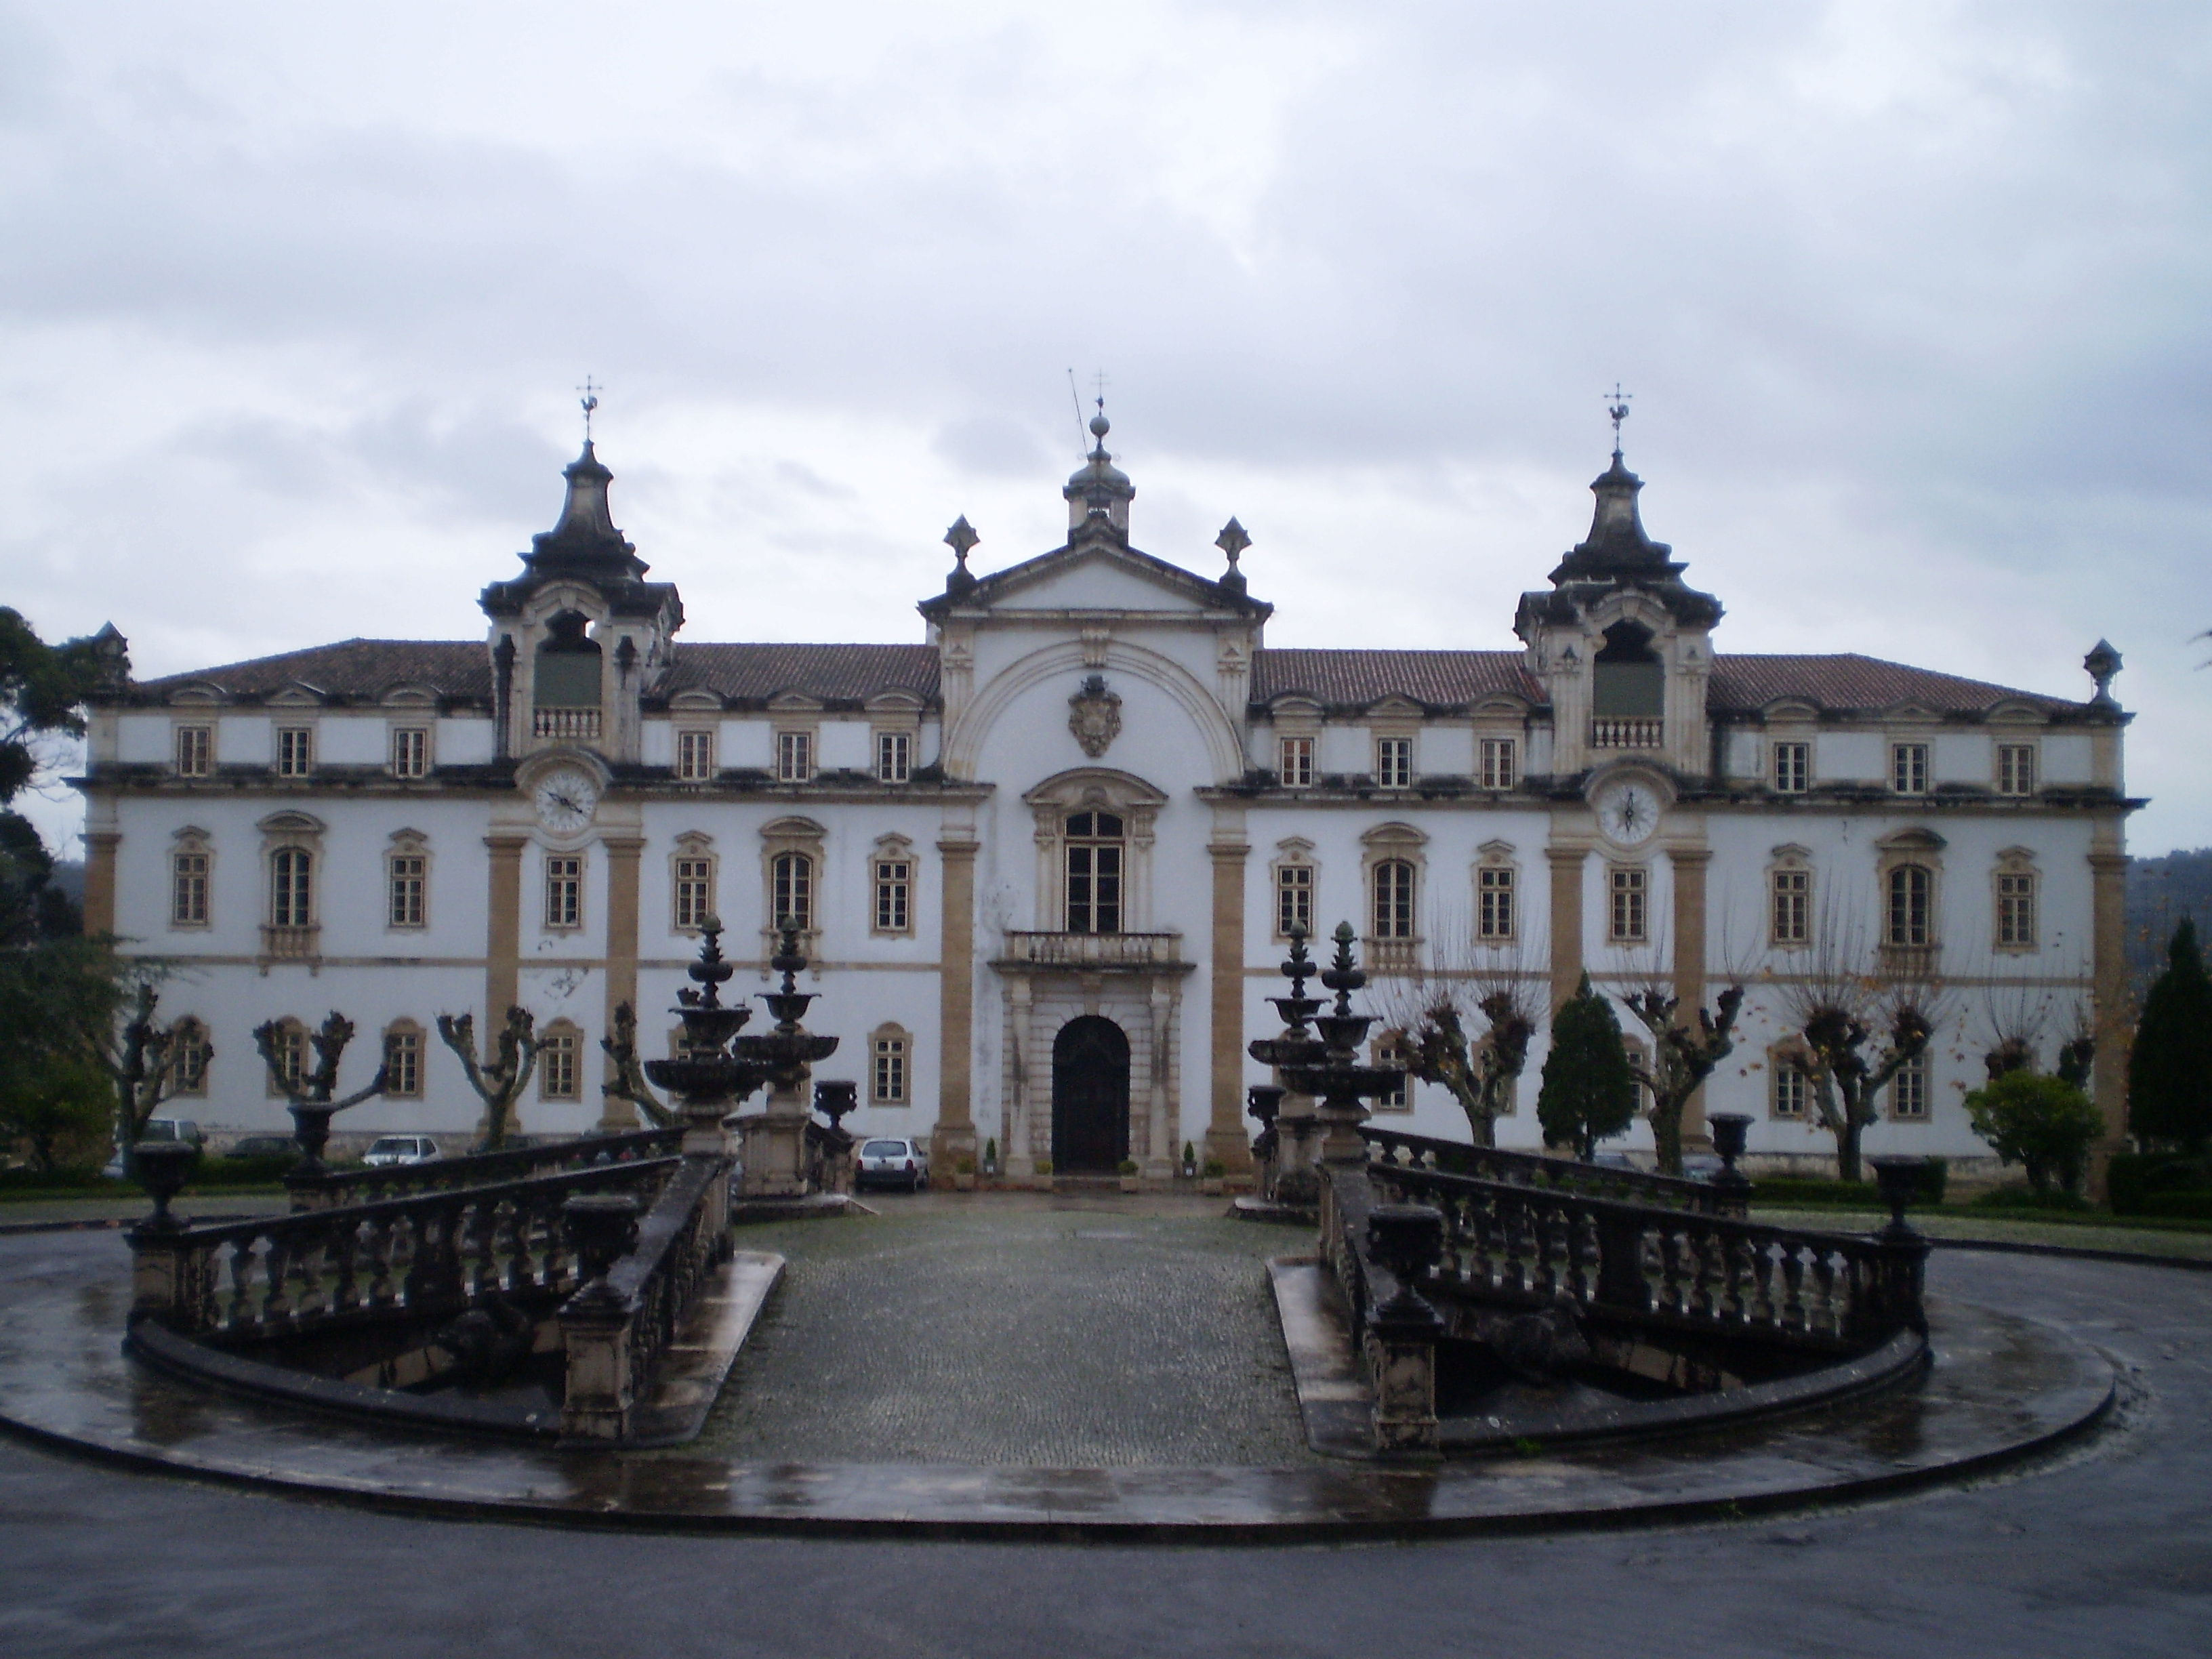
<point x="426" y="1251"/>
<point x="1393" y="1149"/>
<point x="1505" y="1242"/>
<point x="446" y="1175"/>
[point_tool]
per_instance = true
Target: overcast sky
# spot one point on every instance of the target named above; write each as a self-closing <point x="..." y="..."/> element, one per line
<point x="1912" y="298"/>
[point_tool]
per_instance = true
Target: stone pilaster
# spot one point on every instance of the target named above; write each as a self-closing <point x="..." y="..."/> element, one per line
<point x="503" y="928"/>
<point x="100" y="846"/>
<point x="1690" y="865"/>
<point x="954" y="1137"/>
<point x="2110" y="1005"/>
<point x="1566" y="919"/>
<point x="1225" y="1139"/>
<point x="617" y="1113"/>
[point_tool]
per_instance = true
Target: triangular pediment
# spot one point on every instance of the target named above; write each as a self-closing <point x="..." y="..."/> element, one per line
<point x="1098" y="573"/>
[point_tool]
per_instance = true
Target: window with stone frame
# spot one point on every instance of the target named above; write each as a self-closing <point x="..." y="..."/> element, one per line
<point x="1294" y="897"/>
<point x="794" y="756"/>
<point x="295" y="751"/>
<point x="191" y="865"/>
<point x="891" y="874"/>
<point x="411" y="751"/>
<point x="290" y="1047"/>
<point x="1392" y="884"/>
<point x="1793" y="768"/>
<point x="894" y="757"/>
<point x="560" y="1062"/>
<point x="564" y="892"/>
<point x="1908" y="768"/>
<point x="195" y="751"/>
<point x="2015" y="896"/>
<point x="1391" y="1048"/>
<point x="1908" y="920"/>
<point x="1096" y="851"/>
<point x="1394" y="763"/>
<point x="1497" y="902"/>
<point x="890" y="1052"/>
<point x="1908" y="1091"/>
<point x="407" y="884"/>
<point x="695" y="754"/>
<point x="1790" y="1091"/>
<point x="1294" y="762"/>
<point x="1628" y="916"/>
<point x="1789" y="904"/>
<point x="403" y="1060"/>
<point x="2016" y="768"/>
<point x="189" y="1057"/>
<point x="791" y="891"/>
<point x="1500" y="763"/>
<point x="691" y="885"/>
<point x="292" y="887"/>
<point x="1639" y="1056"/>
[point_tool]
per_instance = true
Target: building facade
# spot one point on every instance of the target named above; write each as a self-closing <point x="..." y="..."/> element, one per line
<point x="1046" y="861"/>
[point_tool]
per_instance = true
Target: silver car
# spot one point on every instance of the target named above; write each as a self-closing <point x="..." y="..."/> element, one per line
<point x="888" y="1163"/>
<point x="386" y="1150"/>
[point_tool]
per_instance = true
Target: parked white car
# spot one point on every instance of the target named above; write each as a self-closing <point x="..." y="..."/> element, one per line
<point x="888" y="1163"/>
<point x="388" y="1150"/>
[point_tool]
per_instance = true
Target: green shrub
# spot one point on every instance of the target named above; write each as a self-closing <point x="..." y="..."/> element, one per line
<point x="2027" y="1198"/>
<point x="2043" y="1123"/>
<point x="1215" y="1169"/>
<point x="2179" y="1206"/>
<point x="243" y="1171"/>
<point x="1127" y="1167"/>
<point x="2133" y="1178"/>
<point x="1783" y="1190"/>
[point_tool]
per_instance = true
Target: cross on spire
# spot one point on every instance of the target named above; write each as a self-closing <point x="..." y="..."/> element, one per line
<point x="1616" y="405"/>
<point x="590" y="401"/>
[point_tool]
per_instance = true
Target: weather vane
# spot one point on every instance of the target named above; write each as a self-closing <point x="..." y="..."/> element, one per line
<point x="591" y="401"/>
<point x="1617" y="406"/>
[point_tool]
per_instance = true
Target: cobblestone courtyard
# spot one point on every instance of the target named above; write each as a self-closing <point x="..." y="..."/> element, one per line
<point x="1018" y="1328"/>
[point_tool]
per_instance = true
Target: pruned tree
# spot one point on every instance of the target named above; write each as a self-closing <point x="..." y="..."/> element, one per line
<point x="499" y="1079"/>
<point x="1588" y="1090"/>
<point x="1683" y="1056"/>
<point x="1466" y="1023"/>
<point x="628" y="1083"/>
<point x="141" y="1061"/>
<point x="311" y="1092"/>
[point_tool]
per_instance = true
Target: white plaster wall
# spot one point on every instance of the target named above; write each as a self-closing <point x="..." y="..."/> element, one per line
<point x="142" y="739"/>
<point x="1850" y="757"/>
<point x="245" y="740"/>
<point x="353" y="740"/>
<point x="846" y="745"/>
<point x="1962" y="757"/>
<point x="1445" y="750"/>
<point x="2067" y="758"/>
<point x="656" y="740"/>
<point x="747" y="743"/>
<point x="1344" y="749"/>
<point x="1741" y="754"/>
<point x="468" y="742"/>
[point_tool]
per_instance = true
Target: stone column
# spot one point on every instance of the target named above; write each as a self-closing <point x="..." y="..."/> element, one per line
<point x="100" y="846"/>
<point x="503" y="930"/>
<point x="1225" y="1139"/>
<point x="1566" y="919"/>
<point x="617" y="1113"/>
<point x="2109" y="1001"/>
<point x="1690" y="865"/>
<point x="954" y="1137"/>
<point x="1021" y="1041"/>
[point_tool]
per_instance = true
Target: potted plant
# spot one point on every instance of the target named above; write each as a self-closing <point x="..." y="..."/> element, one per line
<point x="1216" y="1173"/>
<point x="963" y="1176"/>
<point x="991" y="1159"/>
<point x="1127" y="1169"/>
<point x="1189" y="1160"/>
<point x="1043" y="1168"/>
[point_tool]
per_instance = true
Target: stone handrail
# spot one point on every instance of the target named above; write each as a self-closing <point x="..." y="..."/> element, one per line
<point x="1518" y="1245"/>
<point x="1393" y="1149"/>
<point x="444" y="1175"/>
<point x="617" y="1332"/>
<point x="427" y="1253"/>
<point x="1094" y="951"/>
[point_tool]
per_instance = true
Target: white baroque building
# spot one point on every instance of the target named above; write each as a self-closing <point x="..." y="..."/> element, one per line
<point x="1047" y="859"/>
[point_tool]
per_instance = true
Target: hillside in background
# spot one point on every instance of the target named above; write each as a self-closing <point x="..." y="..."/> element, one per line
<point x="2160" y="893"/>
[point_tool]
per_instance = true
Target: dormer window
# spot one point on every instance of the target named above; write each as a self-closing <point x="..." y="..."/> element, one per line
<point x="794" y="756"/>
<point x="195" y="750"/>
<point x="295" y="751"/>
<point x="1908" y="767"/>
<point x="1793" y="768"/>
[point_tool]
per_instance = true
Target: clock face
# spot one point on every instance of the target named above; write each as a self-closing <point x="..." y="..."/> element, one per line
<point x="565" y="800"/>
<point x="1628" y="812"/>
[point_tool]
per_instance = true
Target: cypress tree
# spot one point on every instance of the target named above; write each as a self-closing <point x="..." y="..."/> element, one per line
<point x="2170" y="1067"/>
<point x="1589" y="1092"/>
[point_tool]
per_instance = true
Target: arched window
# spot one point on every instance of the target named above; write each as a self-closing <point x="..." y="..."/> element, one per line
<point x="1911" y="892"/>
<point x="291" y="1050"/>
<point x="1394" y="899"/>
<point x="190" y="1057"/>
<point x="291" y="887"/>
<point x="1096" y="855"/>
<point x="565" y="686"/>
<point x="292" y="843"/>
<point x="1628" y="679"/>
<point x="790" y="891"/>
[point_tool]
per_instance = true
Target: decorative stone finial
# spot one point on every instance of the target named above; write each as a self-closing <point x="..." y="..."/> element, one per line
<point x="960" y="538"/>
<point x="1233" y="541"/>
<point x="2102" y="663"/>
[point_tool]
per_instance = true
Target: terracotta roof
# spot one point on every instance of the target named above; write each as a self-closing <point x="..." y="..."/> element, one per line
<point x="1353" y="680"/>
<point x="1847" y="681"/>
<point x="833" y="673"/>
<point x="352" y="668"/>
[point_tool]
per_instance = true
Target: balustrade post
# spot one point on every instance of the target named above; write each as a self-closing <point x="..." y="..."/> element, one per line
<point x="1402" y="1333"/>
<point x="160" y="1264"/>
<point x="595" y="1322"/>
<point x="1620" y="1279"/>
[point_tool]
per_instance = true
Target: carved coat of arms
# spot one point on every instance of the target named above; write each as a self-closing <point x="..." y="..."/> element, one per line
<point x="1094" y="715"/>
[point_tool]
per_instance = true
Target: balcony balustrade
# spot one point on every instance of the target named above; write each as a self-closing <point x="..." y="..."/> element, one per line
<point x="1094" y="953"/>
<point x="1616" y="732"/>
<point x="290" y="944"/>
<point x="568" y="723"/>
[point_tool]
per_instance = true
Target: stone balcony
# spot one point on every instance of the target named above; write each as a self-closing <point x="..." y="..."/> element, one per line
<point x="568" y="723"/>
<point x="1094" y="953"/>
<point x="290" y="943"/>
<point x="1620" y="731"/>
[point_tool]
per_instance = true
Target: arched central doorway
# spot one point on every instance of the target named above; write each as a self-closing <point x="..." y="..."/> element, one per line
<point x="1090" y="1096"/>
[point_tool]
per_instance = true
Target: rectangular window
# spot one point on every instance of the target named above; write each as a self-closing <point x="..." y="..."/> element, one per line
<point x="2016" y="909"/>
<point x="695" y="756"/>
<point x="794" y="756"/>
<point x="403" y="1063"/>
<point x="291" y="887"/>
<point x="894" y="757"/>
<point x="1792" y="892"/>
<point x="1394" y="763"/>
<point x="1493" y="892"/>
<point x="1094" y="873"/>
<point x="411" y="751"/>
<point x="695" y="894"/>
<point x="1793" y="768"/>
<point x="1630" y="893"/>
<point x="1793" y="1093"/>
<point x="893" y="896"/>
<point x="193" y="1051"/>
<point x="1390" y="1050"/>
<point x="1908" y="767"/>
<point x="1501" y="764"/>
<point x="559" y="1076"/>
<point x="887" y="1086"/>
<point x="195" y="750"/>
<point x="295" y="751"/>
<point x="1908" y="1091"/>
<point x="2015" y="768"/>
<point x="1912" y="896"/>
<point x="1294" y="890"/>
<point x="1394" y="899"/>
<point x="188" y="890"/>
<point x="290" y="1047"/>
<point x="790" y="891"/>
<point x="564" y="891"/>
<point x="1295" y="761"/>
<point x="411" y="889"/>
